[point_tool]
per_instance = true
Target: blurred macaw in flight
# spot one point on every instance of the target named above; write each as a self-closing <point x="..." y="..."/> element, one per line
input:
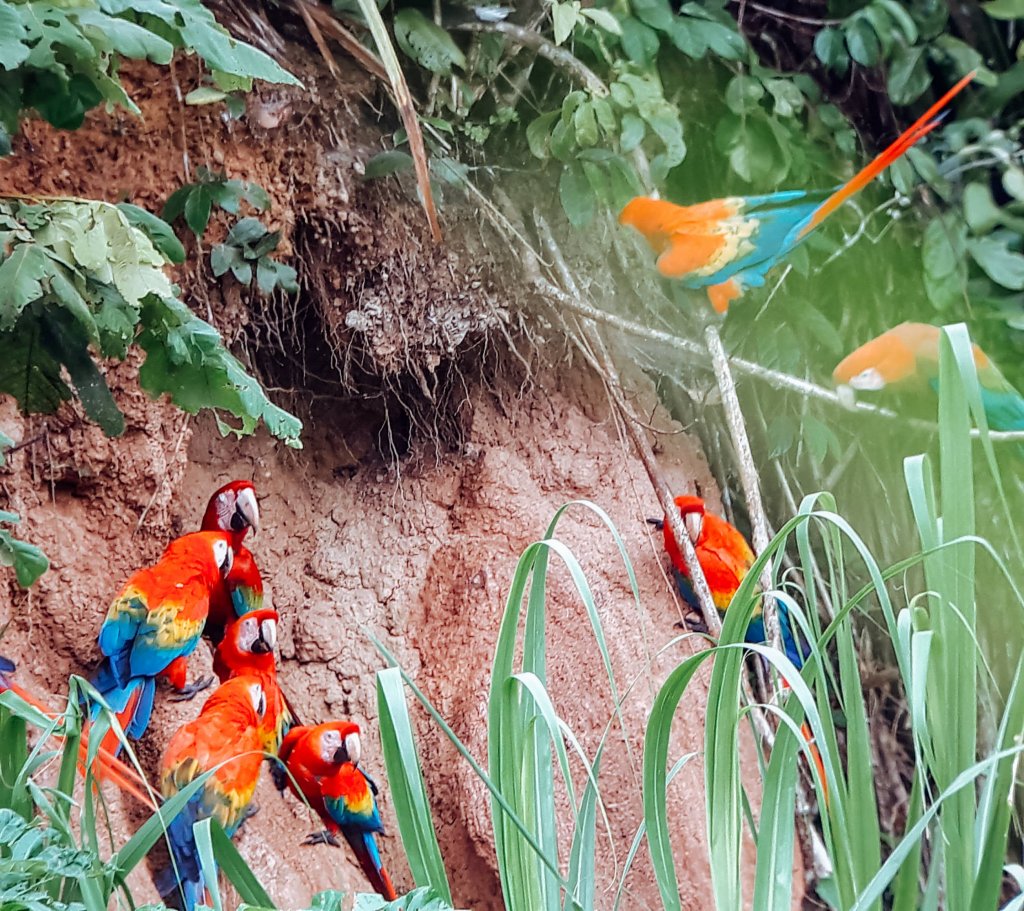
<point x="907" y="357"/>
<point x="323" y="765"/>
<point x="728" y="245"/>
<point x="725" y="558"/>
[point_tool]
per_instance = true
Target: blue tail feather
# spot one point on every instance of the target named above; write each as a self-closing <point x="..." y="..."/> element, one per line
<point x="182" y="888"/>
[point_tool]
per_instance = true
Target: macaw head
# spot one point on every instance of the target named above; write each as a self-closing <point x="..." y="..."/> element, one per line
<point x="233" y="509"/>
<point x="338" y="742"/>
<point x="244" y="694"/>
<point x="255" y="633"/>
<point x="893" y="357"/>
<point x="692" y="511"/>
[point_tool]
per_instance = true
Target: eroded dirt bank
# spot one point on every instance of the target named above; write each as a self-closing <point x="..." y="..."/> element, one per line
<point x="422" y="561"/>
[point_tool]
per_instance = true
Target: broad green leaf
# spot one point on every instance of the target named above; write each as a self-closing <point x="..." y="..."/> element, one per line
<point x="639" y="41"/>
<point x="564" y="17"/>
<point x="585" y="122"/>
<point x="157" y="230"/>
<point x="655" y="13"/>
<point x="743" y="93"/>
<point x="603" y="19"/>
<point x="21" y="281"/>
<point x="124" y="37"/>
<point x="538" y="133"/>
<point x="28" y="561"/>
<point x="830" y="48"/>
<point x="908" y="75"/>
<point x="198" y="205"/>
<point x="205" y="94"/>
<point x="999" y="263"/>
<point x="862" y="42"/>
<point x="577" y="198"/>
<point x="633" y="131"/>
<point x="945" y="273"/>
<point x="980" y="209"/>
<point x="426" y="43"/>
<point x="1004" y="9"/>
<point x="13" y="34"/>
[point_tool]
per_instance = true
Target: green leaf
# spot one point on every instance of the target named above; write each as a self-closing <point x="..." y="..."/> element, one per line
<point x="1005" y="9"/>
<point x="743" y="94"/>
<point x="28" y="561"/>
<point x="205" y="94"/>
<point x="908" y="75"/>
<point x="187" y="360"/>
<point x="157" y="230"/>
<point x="862" y="42"/>
<point x="564" y="17"/>
<point x="577" y="198"/>
<point x="198" y="206"/>
<point x="830" y="48"/>
<point x="1013" y="183"/>
<point x="426" y="43"/>
<point x="175" y="205"/>
<point x="633" y="131"/>
<point x="945" y="272"/>
<point x="639" y="41"/>
<point x="655" y="13"/>
<point x="21" y="281"/>
<point x="124" y="37"/>
<point x="392" y="161"/>
<point x="999" y="263"/>
<point x="69" y="344"/>
<point x="585" y="122"/>
<point x="980" y="209"/>
<point x="603" y="19"/>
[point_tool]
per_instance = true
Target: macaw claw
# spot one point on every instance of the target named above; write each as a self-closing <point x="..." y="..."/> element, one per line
<point x="323" y="837"/>
<point x="250" y="811"/>
<point x="693" y="623"/>
<point x="189" y="692"/>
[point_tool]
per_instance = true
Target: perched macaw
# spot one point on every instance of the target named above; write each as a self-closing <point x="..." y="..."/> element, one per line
<point x="105" y="767"/>
<point x="725" y="558"/>
<point x="225" y="738"/>
<point x="247" y="649"/>
<point x="323" y="762"/>
<point x="232" y="509"/>
<point x="907" y="356"/>
<point x="728" y="245"/>
<point x="157" y="617"/>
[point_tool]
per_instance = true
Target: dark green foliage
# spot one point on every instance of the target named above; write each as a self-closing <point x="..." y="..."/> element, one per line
<point x="77" y="280"/>
<point x="28" y="561"/>
<point x="195" y="201"/>
<point x="62" y="59"/>
<point x="246" y="254"/>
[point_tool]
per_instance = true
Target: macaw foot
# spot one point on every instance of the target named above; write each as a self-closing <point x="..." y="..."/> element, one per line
<point x="693" y="623"/>
<point x="279" y="775"/>
<point x="322" y="837"/>
<point x="250" y="811"/>
<point x="189" y="692"/>
<point x="659" y="524"/>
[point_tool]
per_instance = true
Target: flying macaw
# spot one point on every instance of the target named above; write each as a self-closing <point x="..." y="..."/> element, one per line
<point x="232" y="509"/>
<point x="907" y="356"/>
<point x="323" y="762"/>
<point x="247" y="649"/>
<point x="225" y="738"/>
<point x="726" y="558"/>
<point x="728" y="245"/>
<point x="158" y="616"/>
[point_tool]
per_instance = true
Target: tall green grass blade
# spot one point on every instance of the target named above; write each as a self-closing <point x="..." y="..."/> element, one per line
<point x="13" y="758"/>
<point x="204" y="847"/>
<point x="906" y="891"/>
<point x="235" y="868"/>
<point x="582" y="871"/>
<point x="405" y="782"/>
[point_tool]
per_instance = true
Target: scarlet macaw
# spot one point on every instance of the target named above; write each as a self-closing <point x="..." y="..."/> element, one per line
<point x="728" y="245"/>
<point x="157" y="617"/>
<point x="725" y="559"/>
<point x="232" y="509"/>
<point x="324" y="765"/>
<point x="908" y="356"/>
<point x="247" y="649"/>
<point x="225" y="738"/>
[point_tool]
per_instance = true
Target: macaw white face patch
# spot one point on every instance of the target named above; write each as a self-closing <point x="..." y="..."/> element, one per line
<point x="223" y="554"/>
<point x="870" y="380"/>
<point x="259" y="700"/>
<point x="330" y="742"/>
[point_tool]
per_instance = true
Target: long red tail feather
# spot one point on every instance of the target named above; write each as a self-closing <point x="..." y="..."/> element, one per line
<point x="107" y="766"/>
<point x="915" y="132"/>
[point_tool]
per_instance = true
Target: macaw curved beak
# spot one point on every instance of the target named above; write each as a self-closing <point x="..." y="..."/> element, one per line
<point x="353" y="748"/>
<point x="247" y="511"/>
<point x="694" y="522"/>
